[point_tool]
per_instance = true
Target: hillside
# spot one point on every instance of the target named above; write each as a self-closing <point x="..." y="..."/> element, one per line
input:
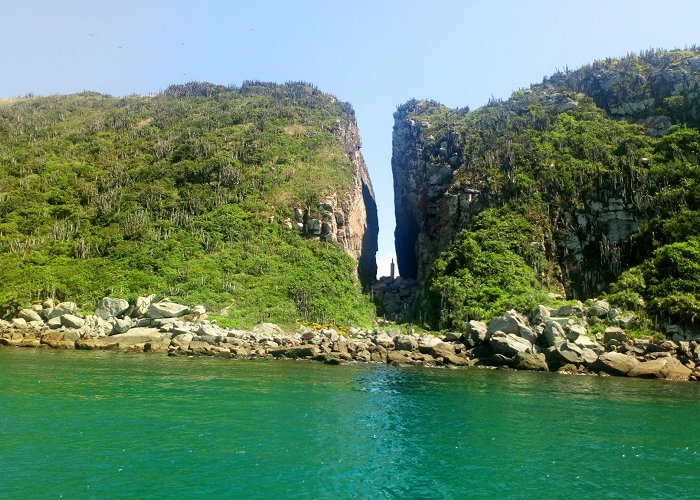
<point x="585" y="184"/>
<point x="253" y="200"/>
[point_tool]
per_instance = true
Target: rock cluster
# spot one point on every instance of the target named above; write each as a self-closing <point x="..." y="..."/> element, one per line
<point x="551" y="340"/>
<point x="396" y="298"/>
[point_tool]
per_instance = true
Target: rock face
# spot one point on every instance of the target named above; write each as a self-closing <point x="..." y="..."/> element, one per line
<point x="350" y="220"/>
<point x="587" y="243"/>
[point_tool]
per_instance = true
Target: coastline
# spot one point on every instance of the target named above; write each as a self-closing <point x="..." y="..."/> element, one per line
<point x="556" y="344"/>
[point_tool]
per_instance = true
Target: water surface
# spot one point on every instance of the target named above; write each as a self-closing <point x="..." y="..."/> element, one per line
<point x="89" y="425"/>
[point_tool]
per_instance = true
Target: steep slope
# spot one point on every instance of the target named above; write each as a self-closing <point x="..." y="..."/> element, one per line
<point x="253" y="197"/>
<point x="573" y="180"/>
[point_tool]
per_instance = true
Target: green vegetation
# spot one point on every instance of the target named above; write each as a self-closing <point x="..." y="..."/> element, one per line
<point x="580" y="200"/>
<point x="181" y="194"/>
<point x="481" y="275"/>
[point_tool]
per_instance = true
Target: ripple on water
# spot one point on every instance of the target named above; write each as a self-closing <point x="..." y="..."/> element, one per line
<point x="105" y="424"/>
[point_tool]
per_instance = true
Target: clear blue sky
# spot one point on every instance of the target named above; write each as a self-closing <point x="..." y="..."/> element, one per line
<point x="375" y="54"/>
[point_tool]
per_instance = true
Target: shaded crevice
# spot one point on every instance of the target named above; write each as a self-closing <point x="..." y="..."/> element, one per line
<point x="367" y="264"/>
<point x="406" y="236"/>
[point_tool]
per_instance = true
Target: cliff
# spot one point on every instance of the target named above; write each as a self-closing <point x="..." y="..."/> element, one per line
<point x="584" y="161"/>
<point x="254" y="200"/>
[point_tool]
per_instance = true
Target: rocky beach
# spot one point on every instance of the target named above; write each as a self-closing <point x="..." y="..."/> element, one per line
<point x="560" y="340"/>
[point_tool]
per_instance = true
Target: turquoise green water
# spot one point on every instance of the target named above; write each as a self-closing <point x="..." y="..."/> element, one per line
<point x="93" y="425"/>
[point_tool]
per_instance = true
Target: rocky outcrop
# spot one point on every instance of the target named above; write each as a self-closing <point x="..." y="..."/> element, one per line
<point x="587" y="242"/>
<point x="349" y="218"/>
<point x="523" y="347"/>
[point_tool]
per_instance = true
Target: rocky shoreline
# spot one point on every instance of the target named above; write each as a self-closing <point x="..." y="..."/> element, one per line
<point x="552" y="340"/>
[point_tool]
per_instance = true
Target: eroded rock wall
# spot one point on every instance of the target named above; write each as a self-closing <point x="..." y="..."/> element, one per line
<point x="349" y="217"/>
<point x="588" y="243"/>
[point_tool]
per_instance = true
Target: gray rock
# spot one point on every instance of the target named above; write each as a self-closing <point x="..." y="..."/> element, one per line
<point x="553" y="334"/>
<point x="182" y="341"/>
<point x="574" y="331"/>
<point x="54" y="323"/>
<point x="110" y="307"/>
<point x="477" y="331"/>
<point x="530" y="361"/>
<point x="62" y="308"/>
<point x="405" y="343"/>
<point x="427" y="342"/>
<point x="569" y="353"/>
<point x="589" y="355"/>
<point x="614" y="333"/>
<point x="137" y="336"/>
<point x="585" y="342"/>
<point x="512" y="322"/>
<point x="302" y="351"/>
<point x="384" y="340"/>
<point x="48" y="304"/>
<point x="509" y="344"/>
<point x="72" y="321"/>
<point x="650" y="369"/>
<point x="614" y="363"/>
<point x="541" y="314"/>
<point x="19" y="322"/>
<point x="453" y="336"/>
<point x="199" y="310"/>
<point x="599" y="309"/>
<point x="121" y="326"/>
<point x="29" y="315"/>
<point x="167" y="310"/>
<point x="141" y="306"/>
<point x="441" y="350"/>
<point x="575" y="309"/>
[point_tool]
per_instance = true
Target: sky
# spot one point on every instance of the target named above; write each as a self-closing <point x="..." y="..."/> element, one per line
<point x="374" y="54"/>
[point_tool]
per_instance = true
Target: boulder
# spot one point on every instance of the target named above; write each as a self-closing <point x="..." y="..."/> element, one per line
<point x="427" y="342"/>
<point x="530" y="361"/>
<point x="553" y="334"/>
<point x="110" y="307"/>
<point x="649" y="369"/>
<point x="541" y="314"/>
<point x="585" y="342"/>
<point x="675" y="370"/>
<point x="477" y="331"/>
<point x="167" y="310"/>
<point x="29" y="315"/>
<point x="384" y="340"/>
<point x="509" y="344"/>
<point x="569" y="353"/>
<point x="454" y="359"/>
<point x="574" y="331"/>
<point x="599" y="309"/>
<point x="302" y="351"/>
<point x="405" y="343"/>
<point x="136" y="336"/>
<point x="61" y="309"/>
<point x="141" y="306"/>
<point x="182" y="341"/>
<point x="512" y="323"/>
<point x="575" y="309"/>
<point x="453" y="336"/>
<point x="614" y="333"/>
<point x="54" y="323"/>
<point x="72" y="321"/>
<point x="19" y="322"/>
<point x="614" y="363"/>
<point x="441" y="350"/>
<point x="120" y="325"/>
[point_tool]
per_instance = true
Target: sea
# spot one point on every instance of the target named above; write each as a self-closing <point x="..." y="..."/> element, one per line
<point x="90" y="424"/>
